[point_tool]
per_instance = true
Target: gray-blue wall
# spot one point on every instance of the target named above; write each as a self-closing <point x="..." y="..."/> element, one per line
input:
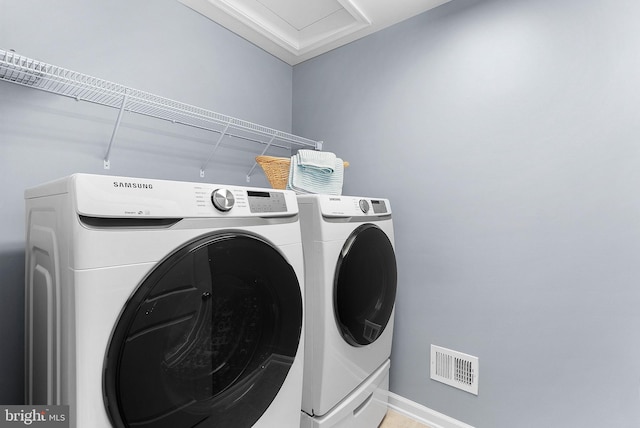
<point x="157" y="46"/>
<point x="505" y="133"/>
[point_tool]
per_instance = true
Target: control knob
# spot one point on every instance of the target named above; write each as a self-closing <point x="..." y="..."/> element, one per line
<point x="222" y="199"/>
<point x="364" y="205"/>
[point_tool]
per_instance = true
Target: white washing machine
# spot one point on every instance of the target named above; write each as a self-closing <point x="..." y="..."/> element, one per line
<point x="163" y="304"/>
<point x="350" y="283"/>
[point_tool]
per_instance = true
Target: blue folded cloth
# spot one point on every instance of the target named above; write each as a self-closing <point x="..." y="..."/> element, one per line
<point x="323" y="161"/>
<point x="314" y="174"/>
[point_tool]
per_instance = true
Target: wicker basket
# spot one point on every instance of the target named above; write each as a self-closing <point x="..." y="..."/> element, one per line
<point x="277" y="170"/>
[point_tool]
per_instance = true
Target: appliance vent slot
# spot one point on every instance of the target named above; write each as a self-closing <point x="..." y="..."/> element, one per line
<point x="134" y="222"/>
<point x="455" y="369"/>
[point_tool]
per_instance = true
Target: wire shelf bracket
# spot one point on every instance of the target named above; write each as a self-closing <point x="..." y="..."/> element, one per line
<point x="36" y="74"/>
<point x="107" y="163"/>
<point x="222" y="134"/>
<point x="255" y="164"/>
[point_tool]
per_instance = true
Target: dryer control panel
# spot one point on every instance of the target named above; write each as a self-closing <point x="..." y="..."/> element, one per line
<point x="350" y="206"/>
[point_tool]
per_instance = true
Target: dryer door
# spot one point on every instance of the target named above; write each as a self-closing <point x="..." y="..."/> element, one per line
<point x="207" y="339"/>
<point x="365" y="285"/>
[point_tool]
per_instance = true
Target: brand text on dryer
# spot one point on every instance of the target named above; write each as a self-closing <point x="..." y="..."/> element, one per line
<point x="132" y="185"/>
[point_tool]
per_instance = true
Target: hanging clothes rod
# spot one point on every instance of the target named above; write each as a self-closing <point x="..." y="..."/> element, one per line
<point x="29" y="72"/>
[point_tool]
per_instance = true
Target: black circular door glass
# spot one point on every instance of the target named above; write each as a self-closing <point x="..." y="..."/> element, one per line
<point x="365" y="285"/>
<point x="207" y="339"/>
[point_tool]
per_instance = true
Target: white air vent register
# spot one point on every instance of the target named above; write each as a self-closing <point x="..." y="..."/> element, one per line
<point x="454" y="369"/>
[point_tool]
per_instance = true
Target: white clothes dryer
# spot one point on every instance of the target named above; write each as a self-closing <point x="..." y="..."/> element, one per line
<point x="350" y="283"/>
<point x="162" y="304"/>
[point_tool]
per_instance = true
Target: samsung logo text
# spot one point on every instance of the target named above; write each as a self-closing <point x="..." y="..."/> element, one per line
<point x="132" y="185"/>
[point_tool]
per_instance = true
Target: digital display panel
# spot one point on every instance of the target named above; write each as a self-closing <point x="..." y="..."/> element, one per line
<point x="379" y="207"/>
<point x="266" y="202"/>
<point x="257" y="194"/>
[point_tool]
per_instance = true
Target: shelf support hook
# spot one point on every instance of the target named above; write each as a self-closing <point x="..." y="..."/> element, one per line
<point x="222" y="134"/>
<point x="107" y="163"/>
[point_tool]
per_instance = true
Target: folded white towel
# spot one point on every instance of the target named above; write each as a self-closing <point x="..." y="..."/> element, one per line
<point x="315" y="180"/>
<point x="323" y="161"/>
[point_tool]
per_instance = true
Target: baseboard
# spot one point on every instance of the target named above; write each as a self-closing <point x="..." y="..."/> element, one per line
<point x="423" y="414"/>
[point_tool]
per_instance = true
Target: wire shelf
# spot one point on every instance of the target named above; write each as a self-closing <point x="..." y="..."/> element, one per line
<point x="29" y="72"/>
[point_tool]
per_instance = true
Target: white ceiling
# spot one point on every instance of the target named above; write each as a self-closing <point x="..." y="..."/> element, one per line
<point x="296" y="30"/>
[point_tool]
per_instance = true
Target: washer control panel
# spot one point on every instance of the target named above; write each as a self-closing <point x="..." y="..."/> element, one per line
<point x="266" y="201"/>
<point x="258" y="201"/>
<point x="126" y="197"/>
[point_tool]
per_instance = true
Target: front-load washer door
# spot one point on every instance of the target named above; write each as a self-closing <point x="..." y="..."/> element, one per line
<point x="207" y="339"/>
<point x="365" y="285"/>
